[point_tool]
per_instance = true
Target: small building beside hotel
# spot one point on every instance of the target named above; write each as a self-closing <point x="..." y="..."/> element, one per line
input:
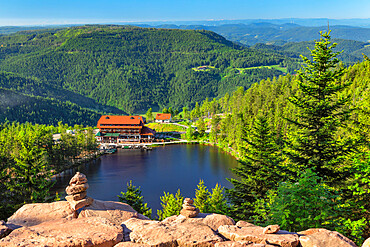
<point x="163" y="118"/>
<point x="123" y="129"/>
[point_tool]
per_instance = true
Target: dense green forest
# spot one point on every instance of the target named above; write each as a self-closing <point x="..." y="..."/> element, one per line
<point x="33" y="87"/>
<point x="126" y="70"/>
<point x="24" y="99"/>
<point x="136" y="68"/>
<point x="17" y="107"/>
<point x="303" y="145"/>
<point x="29" y="157"/>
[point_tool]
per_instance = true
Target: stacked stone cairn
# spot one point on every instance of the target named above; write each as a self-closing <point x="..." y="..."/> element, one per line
<point x="188" y="209"/>
<point x="77" y="195"/>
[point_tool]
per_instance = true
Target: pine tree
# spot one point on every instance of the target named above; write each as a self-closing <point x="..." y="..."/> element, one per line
<point x="321" y="112"/>
<point x="258" y="170"/>
<point x="201" y="197"/>
<point x="171" y="205"/>
<point x="149" y="114"/>
<point x="201" y="126"/>
<point x="134" y="198"/>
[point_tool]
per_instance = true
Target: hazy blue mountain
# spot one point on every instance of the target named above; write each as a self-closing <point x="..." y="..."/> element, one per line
<point x="264" y="32"/>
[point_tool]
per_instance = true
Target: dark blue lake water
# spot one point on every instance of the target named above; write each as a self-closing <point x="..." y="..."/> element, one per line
<point x="162" y="169"/>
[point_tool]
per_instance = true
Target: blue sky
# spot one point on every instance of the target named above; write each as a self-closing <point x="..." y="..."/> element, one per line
<point x="31" y="12"/>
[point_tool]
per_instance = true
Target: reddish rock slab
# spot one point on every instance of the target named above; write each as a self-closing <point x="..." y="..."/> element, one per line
<point x="366" y="243"/>
<point x="85" y="232"/>
<point x="271" y="229"/>
<point x="256" y="235"/>
<point x="324" y="238"/>
<point x="212" y="220"/>
<point x="76" y="205"/>
<point x="241" y="244"/>
<point x="4" y="229"/>
<point x="116" y="212"/>
<point x="36" y="213"/>
<point x="130" y="244"/>
<point x="242" y="223"/>
<point x="156" y="233"/>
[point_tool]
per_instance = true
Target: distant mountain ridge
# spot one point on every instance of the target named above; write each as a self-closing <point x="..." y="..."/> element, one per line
<point x="352" y="50"/>
<point x="263" y="32"/>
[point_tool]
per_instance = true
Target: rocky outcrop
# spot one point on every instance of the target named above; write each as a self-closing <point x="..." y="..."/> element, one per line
<point x="256" y="235"/>
<point x="324" y="238"/>
<point x="241" y="244"/>
<point x="242" y="223"/>
<point x="214" y="221"/>
<point x="37" y="213"/>
<point x="4" y="229"/>
<point x="271" y="229"/>
<point x="85" y="232"/>
<point x="366" y="243"/>
<point x="131" y="244"/>
<point x="116" y="212"/>
<point x="82" y="221"/>
<point x="155" y="233"/>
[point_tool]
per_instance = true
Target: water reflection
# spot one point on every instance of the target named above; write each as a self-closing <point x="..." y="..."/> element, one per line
<point x="163" y="169"/>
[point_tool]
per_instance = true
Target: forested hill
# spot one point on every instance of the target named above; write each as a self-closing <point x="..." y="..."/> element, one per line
<point x="35" y="87"/>
<point x="29" y="100"/>
<point x="136" y="68"/>
<point x="23" y="108"/>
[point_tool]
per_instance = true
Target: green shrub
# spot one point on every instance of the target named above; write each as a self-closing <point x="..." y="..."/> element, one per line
<point x="134" y="198"/>
<point x="307" y="203"/>
<point x="171" y="205"/>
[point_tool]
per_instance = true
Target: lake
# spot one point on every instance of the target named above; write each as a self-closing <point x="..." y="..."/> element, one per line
<point x="166" y="168"/>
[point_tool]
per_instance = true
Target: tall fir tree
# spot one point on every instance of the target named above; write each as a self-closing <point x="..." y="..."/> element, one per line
<point x="258" y="171"/>
<point x="134" y="198"/>
<point x="149" y="114"/>
<point x="321" y="111"/>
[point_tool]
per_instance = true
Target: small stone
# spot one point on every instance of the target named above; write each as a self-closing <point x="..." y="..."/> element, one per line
<point x="76" y="189"/>
<point x="79" y="196"/>
<point x="189" y="207"/>
<point x="188" y="201"/>
<point x="189" y="213"/>
<point x="271" y="229"/>
<point x="82" y="181"/>
<point x="76" y="205"/>
<point x="78" y="178"/>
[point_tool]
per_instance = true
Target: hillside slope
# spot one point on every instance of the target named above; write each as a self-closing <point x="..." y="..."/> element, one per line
<point x="22" y="108"/>
<point x="136" y="68"/>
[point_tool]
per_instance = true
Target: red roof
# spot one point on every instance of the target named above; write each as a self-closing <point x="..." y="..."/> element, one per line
<point x="116" y="120"/>
<point x="163" y="116"/>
